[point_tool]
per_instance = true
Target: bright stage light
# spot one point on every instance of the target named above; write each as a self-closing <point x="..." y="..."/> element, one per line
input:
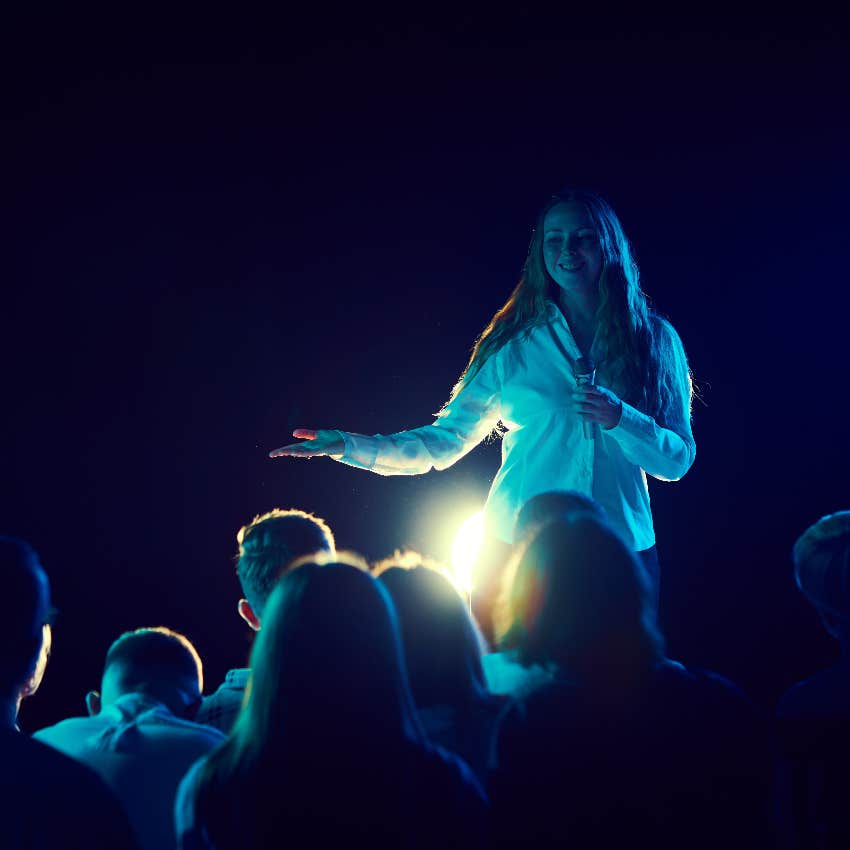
<point x="465" y="548"/>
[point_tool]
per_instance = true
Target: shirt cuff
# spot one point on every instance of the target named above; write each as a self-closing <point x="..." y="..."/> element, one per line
<point x="360" y="451"/>
<point x="633" y="424"/>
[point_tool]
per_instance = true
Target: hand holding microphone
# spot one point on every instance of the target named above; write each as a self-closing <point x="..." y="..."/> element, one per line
<point x="596" y="405"/>
<point x="584" y="370"/>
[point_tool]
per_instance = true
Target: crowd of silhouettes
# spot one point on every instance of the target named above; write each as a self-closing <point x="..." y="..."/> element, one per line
<point x="374" y="711"/>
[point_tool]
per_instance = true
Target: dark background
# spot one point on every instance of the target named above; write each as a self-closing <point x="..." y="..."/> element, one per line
<point x="218" y="229"/>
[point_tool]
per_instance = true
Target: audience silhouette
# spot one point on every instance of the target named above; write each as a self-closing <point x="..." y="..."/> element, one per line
<point x="813" y="717"/>
<point x="46" y="798"/>
<point x="139" y="736"/>
<point x="266" y="545"/>
<point x="623" y="745"/>
<point x="504" y="674"/>
<point x="328" y="748"/>
<point x="374" y="711"/>
<point x="443" y="649"/>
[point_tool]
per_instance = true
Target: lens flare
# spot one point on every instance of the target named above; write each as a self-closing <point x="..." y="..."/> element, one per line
<point x="465" y="548"/>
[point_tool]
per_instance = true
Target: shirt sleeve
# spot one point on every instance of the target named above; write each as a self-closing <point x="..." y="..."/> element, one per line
<point x="471" y="413"/>
<point x="663" y="451"/>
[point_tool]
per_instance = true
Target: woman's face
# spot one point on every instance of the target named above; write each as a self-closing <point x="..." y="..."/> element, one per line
<point x="571" y="250"/>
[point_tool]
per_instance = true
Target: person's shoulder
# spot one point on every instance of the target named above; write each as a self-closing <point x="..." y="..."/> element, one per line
<point x="221" y="707"/>
<point x="59" y="731"/>
<point x="706" y="692"/>
<point x="169" y="723"/>
<point x="540" y="709"/>
<point x="549" y="315"/>
<point x="662" y="329"/>
<point x="666" y="338"/>
<point x="34" y="757"/>
<point x="236" y="679"/>
<point x="178" y="737"/>
<point x="449" y="770"/>
<point x="60" y="796"/>
<point x="813" y="716"/>
<point x="669" y="670"/>
<point x="826" y="693"/>
<point x="538" y="323"/>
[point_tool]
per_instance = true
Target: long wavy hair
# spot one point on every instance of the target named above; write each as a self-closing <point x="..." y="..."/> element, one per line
<point x="638" y="354"/>
<point x="328" y="702"/>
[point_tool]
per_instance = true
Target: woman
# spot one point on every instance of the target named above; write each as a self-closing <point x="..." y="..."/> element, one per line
<point x="622" y="746"/>
<point x="578" y="300"/>
<point x="328" y="748"/>
<point x="442" y="649"/>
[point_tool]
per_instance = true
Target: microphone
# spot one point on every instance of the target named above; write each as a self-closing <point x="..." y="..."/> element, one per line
<point x="584" y="371"/>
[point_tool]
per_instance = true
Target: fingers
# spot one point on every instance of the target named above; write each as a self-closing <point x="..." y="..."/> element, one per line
<point x="588" y="401"/>
<point x="591" y="405"/>
<point x="317" y="443"/>
<point x="295" y="450"/>
<point x="597" y="405"/>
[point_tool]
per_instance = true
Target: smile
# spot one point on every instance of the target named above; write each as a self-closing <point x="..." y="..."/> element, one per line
<point x="567" y="268"/>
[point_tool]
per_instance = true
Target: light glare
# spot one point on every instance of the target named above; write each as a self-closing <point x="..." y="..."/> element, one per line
<point x="465" y="549"/>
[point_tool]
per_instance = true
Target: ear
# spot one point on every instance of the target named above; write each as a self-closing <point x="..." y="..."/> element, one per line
<point x="246" y="612"/>
<point x="93" y="703"/>
<point x="29" y="687"/>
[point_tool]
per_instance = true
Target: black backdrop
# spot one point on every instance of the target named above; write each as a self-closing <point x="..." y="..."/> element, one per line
<point x="219" y="229"/>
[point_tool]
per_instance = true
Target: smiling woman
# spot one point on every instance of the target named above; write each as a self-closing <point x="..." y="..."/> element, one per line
<point x="578" y="300"/>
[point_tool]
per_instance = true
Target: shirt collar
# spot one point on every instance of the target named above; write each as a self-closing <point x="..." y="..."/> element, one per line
<point x="238" y="678"/>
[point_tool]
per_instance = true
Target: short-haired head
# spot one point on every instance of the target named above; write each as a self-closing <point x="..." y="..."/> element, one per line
<point x="270" y="543"/>
<point x="553" y="504"/>
<point x="25" y="620"/>
<point x="575" y="596"/>
<point x="155" y="661"/>
<point x="821" y="558"/>
<point x="442" y="643"/>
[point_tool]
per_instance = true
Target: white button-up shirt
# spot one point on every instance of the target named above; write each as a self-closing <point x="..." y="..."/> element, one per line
<point x="142" y="751"/>
<point x="527" y="385"/>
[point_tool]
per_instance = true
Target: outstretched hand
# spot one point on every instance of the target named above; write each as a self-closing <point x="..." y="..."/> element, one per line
<point x="316" y="444"/>
<point x="599" y="405"/>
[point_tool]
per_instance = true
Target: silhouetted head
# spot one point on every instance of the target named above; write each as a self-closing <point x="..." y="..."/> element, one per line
<point x="442" y="643"/>
<point x="822" y="570"/>
<point x="553" y="504"/>
<point x="327" y="666"/>
<point x="578" y="599"/>
<point x="267" y="545"/>
<point x="328" y="724"/>
<point x="24" y="626"/>
<point x="157" y="662"/>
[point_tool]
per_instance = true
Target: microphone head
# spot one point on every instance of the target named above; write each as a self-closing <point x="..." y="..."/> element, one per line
<point x="584" y="366"/>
